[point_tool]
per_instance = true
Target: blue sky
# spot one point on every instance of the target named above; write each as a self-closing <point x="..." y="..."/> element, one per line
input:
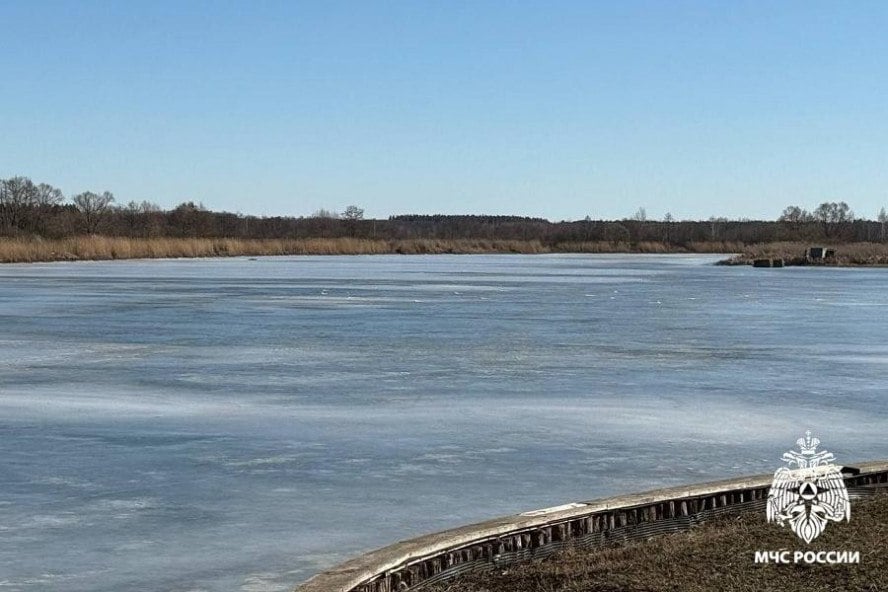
<point x="552" y="109"/>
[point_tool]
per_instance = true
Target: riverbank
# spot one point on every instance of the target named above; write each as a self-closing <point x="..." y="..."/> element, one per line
<point x="716" y="556"/>
<point x="90" y="248"/>
<point x="85" y="248"/>
<point x="793" y="253"/>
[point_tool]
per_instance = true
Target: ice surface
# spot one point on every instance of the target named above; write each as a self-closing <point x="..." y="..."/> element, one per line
<point x="239" y="425"/>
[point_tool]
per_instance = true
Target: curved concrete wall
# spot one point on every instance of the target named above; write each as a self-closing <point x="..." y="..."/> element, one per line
<point x="409" y="564"/>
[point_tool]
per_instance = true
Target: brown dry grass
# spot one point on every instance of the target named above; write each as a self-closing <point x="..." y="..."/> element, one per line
<point x="100" y="247"/>
<point x="849" y="254"/>
<point x="29" y="250"/>
<point x="16" y="250"/>
<point x="717" y="556"/>
<point x="647" y="247"/>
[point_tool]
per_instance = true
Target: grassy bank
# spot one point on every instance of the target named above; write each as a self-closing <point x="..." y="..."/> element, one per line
<point x="714" y="557"/>
<point x="83" y="248"/>
<point x="850" y="254"/>
<point x="100" y="247"/>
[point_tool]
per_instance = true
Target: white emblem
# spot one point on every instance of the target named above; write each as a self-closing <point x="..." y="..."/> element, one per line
<point x="810" y="495"/>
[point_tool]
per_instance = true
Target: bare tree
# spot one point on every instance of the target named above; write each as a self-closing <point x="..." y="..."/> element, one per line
<point x="322" y="213"/>
<point x="17" y="196"/>
<point x="132" y="214"/>
<point x="795" y="215"/>
<point x="883" y="220"/>
<point x="43" y="208"/>
<point x="151" y="218"/>
<point x="93" y="207"/>
<point x="669" y="220"/>
<point x="47" y="196"/>
<point x="715" y="225"/>
<point x="640" y="215"/>
<point x="833" y="216"/>
<point x="190" y="219"/>
<point x="833" y="213"/>
<point x="353" y="213"/>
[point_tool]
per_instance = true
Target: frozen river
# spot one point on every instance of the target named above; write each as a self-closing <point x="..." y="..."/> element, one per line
<point x="224" y="425"/>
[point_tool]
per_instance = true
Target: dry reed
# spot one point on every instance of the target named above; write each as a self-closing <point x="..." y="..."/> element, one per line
<point x="793" y="253"/>
<point x="30" y="250"/>
<point x="13" y="250"/>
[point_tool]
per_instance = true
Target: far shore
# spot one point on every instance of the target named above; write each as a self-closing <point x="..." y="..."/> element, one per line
<point x="858" y="254"/>
<point x="97" y="248"/>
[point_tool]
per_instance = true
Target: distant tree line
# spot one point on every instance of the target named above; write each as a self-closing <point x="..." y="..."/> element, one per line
<point x="29" y="209"/>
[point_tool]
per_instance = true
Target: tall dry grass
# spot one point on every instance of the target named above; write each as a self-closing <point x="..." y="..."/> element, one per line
<point x="81" y="248"/>
<point x="18" y="250"/>
<point x="850" y="254"/>
<point x="647" y="247"/>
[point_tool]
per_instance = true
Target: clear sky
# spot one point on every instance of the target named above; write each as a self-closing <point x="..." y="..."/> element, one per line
<point x="551" y="109"/>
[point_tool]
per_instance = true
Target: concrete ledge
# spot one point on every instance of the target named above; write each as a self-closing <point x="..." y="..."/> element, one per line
<point x="408" y="564"/>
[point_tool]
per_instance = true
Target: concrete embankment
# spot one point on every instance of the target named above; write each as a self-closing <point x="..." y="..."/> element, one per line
<point x="432" y="558"/>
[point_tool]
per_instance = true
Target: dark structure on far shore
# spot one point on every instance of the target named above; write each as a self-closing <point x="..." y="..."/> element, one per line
<point x="819" y="255"/>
